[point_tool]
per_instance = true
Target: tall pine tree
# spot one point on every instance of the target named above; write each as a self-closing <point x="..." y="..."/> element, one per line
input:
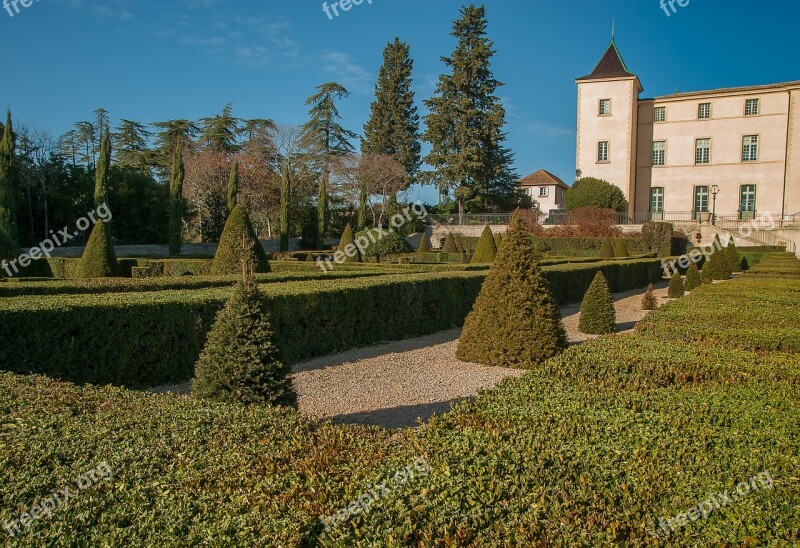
<point x="130" y="146"/>
<point x="465" y="124"/>
<point x="219" y="132"/>
<point x="8" y="224"/>
<point x="176" y="202"/>
<point x="393" y="126"/>
<point x="328" y="139"/>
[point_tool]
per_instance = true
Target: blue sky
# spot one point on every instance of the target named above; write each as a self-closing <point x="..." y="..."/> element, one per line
<point x="150" y="60"/>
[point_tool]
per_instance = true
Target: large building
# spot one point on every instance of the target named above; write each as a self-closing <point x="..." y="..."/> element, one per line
<point x="677" y="155"/>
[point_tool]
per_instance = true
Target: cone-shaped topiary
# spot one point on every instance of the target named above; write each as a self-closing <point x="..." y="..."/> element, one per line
<point x="240" y="363"/>
<point x="745" y="264"/>
<point x="485" y="252"/>
<point x="450" y="244"/>
<point x="99" y="259"/>
<point x="676" y="289"/>
<point x="459" y="243"/>
<point x="649" y="300"/>
<point x="239" y="245"/>
<point x="718" y="262"/>
<point x="607" y="249"/>
<point x="732" y="254"/>
<point x="705" y="274"/>
<point x="598" y="316"/>
<point x="693" y="280"/>
<point x="515" y="321"/>
<point x="424" y="244"/>
<point x="621" y="248"/>
<point x="349" y="240"/>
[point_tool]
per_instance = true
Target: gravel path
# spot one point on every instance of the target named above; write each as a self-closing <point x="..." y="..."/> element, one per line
<point x="395" y="385"/>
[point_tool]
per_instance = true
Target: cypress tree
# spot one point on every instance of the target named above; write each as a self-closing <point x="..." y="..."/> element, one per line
<point x="102" y="171"/>
<point x="393" y="125"/>
<point x="732" y="255"/>
<point x="719" y="262"/>
<point x="238" y="247"/>
<point x="465" y="124"/>
<point x="693" y="280"/>
<point x="621" y="248"/>
<point x="99" y="259"/>
<point x="286" y="192"/>
<point x="233" y="187"/>
<point x="598" y="316"/>
<point x="607" y="249"/>
<point x="485" y="251"/>
<point x="649" y="300"/>
<point x="240" y="362"/>
<point x="424" y="244"/>
<point x="450" y="245"/>
<point x="346" y="240"/>
<point x="176" y="202"/>
<point x="322" y="205"/>
<point x="676" y="289"/>
<point x="515" y="321"/>
<point x="8" y="223"/>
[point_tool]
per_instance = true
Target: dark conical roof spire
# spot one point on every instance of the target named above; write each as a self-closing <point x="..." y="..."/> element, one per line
<point x="610" y="66"/>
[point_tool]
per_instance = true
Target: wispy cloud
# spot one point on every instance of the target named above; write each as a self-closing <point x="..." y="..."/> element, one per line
<point x="547" y="130"/>
<point x="110" y="9"/>
<point x="348" y="72"/>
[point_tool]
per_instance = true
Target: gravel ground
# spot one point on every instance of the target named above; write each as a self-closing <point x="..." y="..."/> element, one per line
<point x="395" y="385"/>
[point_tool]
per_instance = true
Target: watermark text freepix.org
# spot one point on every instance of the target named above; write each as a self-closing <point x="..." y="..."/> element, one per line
<point x="50" y="504"/>
<point x="8" y="5"/>
<point x="332" y="10"/>
<point x="56" y="239"/>
<point x="668" y="5"/>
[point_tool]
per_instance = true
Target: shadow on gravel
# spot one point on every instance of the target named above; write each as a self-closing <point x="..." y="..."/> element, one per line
<point x="397" y="417"/>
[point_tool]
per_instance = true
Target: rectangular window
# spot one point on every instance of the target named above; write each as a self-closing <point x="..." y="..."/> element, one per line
<point x="605" y="107"/>
<point x="747" y="207"/>
<point x="751" y="107"/>
<point x="657" y="200"/>
<point x="659" y="153"/>
<point x="750" y="148"/>
<point x="700" y="199"/>
<point x="544" y="192"/>
<point x="602" y="151"/>
<point x="660" y="114"/>
<point x="702" y="153"/>
<point x="704" y="111"/>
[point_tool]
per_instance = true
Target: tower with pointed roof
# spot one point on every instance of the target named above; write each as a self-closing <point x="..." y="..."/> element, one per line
<point x="608" y="100"/>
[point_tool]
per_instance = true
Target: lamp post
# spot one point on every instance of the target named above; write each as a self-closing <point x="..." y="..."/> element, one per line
<point x="714" y="192"/>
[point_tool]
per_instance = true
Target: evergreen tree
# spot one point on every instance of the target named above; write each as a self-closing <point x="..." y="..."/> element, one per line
<point x="676" y="288"/>
<point x="693" y="280"/>
<point x="598" y="316"/>
<point x="8" y="222"/>
<point x="286" y="193"/>
<point x="719" y="268"/>
<point x="130" y="146"/>
<point x="99" y="259"/>
<point x="346" y="240"/>
<point x="176" y="202"/>
<point x="649" y="300"/>
<point x="465" y="124"/>
<point x="102" y="171"/>
<point x="218" y="133"/>
<point x="233" y="187"/>
<point x="732" y="255"/>
<point x="393" y="126"/>
<point x="705" y="275"/>
<point x="424" y="244"/>
<point x="328" y="139"/>
<point x="485" y="251"/>
<point x="238" y="247"/>
<point x="621" y="248"/>
<point x="515" y="321"/>
<point x="170" y="135"/>
<point x="240" y="362"/>
<point x="607" y="249"/>
<point x="450" y="245"/>
<point x="259" y="135"/>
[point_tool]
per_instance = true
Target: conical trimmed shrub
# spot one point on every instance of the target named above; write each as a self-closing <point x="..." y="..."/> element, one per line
<point x="649" y="299"/>
<point x="238" y="247"/>
<point x="515" y="321"/>
<point x="607" y="249"/>
<point x="676" y="289"/>
<point x="705" y="274"/>
<point x="99" y="259"/>
<point x="424" y="244"/>
<point x="598" y="316"/>
<point x="732" y="254"/>
<point x="450" y="245"/>
<point x="240" y="363"/>
<point x="349" y="239"/>
<point x="693" y="280"/>
<point x="621" y="248"/>
<point x="485" y="252"/>
<point x="719" y="262"/>
<point x="460" y="243"/>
